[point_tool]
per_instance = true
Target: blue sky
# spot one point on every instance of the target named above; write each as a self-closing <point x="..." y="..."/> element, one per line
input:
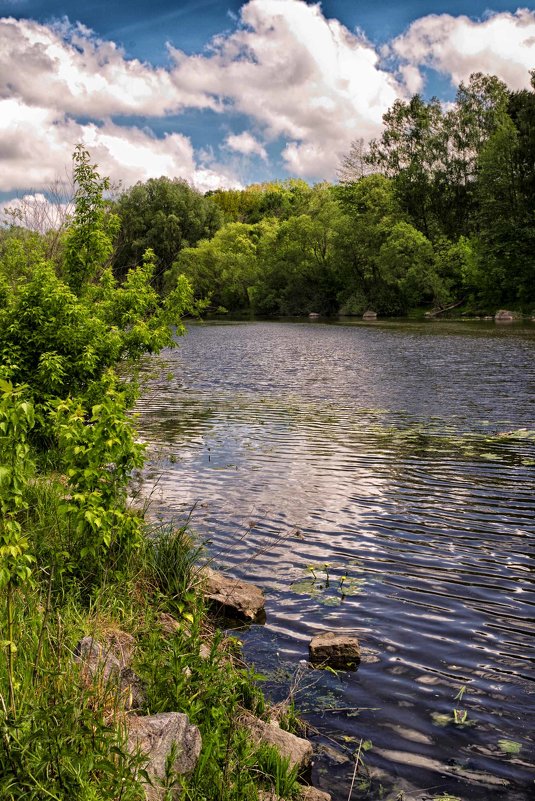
<point x="282" y="89"/>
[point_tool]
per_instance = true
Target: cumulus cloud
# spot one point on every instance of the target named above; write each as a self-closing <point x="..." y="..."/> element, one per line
<point x="246" y="144"/>
<point x="126" y="154"/>
<point x="300" y="76"/>
<point x="67" y="68"/>
<point x="304" y="81"/>
<point x="502" y="44"/>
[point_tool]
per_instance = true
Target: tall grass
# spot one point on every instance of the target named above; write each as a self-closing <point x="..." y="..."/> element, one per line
<point x="66" y="739"/>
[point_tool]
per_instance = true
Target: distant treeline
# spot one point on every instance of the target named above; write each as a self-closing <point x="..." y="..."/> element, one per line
<point x="439" y="211"/>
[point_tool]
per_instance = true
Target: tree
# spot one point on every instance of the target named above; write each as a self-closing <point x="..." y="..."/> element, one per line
<point x="89" y="238"/>
<point x="223" y="269"/>
<point x="164" y="215"/>
<point x="355" y="165"/>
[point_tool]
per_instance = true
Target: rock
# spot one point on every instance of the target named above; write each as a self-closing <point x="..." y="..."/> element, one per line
<point x="168" y="623"/>
<point x="339" y="651"/>
<point x="504" y="316"/>
<point x="204" y="651"/>
<point x="369" y="315"/>
<point x="154" y="736"/>
<point x="233" y="597"/>
<point x="96" y="660"/>
<point x="108" y="666"/>
<point x="313" y="315"/>
<point x="313" y="794"/>
<point x="305" y="794"/>
<point x="297" y="750"/>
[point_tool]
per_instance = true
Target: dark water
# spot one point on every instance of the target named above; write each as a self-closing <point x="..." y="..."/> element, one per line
<point x="357" y="474"/>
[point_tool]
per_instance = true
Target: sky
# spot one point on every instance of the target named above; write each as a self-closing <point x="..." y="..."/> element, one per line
<point x="223" y="94"/>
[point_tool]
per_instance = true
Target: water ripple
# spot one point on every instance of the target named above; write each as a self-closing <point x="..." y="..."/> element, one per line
<point x="374" y="480"/>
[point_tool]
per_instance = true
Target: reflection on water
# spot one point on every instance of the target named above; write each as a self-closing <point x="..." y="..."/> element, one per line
<point x="378" y="480"/>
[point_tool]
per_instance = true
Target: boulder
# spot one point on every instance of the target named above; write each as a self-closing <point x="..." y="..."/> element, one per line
<point x="369" y="315"/>
<point x="504" y="316"/>
<point x="339" y="651"/>
<point x="233" y="597"/>
<point x="109" y="666"/>
<point x="154" y="737"/>
<point x="297" y="750"/>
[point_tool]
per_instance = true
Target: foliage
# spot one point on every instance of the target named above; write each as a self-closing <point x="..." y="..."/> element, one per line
<point x="163" y="215"/>
<point x="74" y="559"/>
<point x="89" y="239"/>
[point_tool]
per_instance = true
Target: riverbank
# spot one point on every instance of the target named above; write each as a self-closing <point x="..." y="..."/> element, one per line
<point x="91" y="667"/>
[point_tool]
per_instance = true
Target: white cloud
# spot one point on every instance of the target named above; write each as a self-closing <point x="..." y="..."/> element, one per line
<point x="246" y="144"/>
<point x="125" y="154"/>
<point x="502" y="44"/>
<point x="300" y="76"/>
<point x="67" y="68"/>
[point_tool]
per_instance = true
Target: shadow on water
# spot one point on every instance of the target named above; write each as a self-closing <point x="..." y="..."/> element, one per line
<point x="376" y="480"/>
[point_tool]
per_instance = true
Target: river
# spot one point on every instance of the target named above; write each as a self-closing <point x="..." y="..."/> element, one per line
<point x="374" y="479"/>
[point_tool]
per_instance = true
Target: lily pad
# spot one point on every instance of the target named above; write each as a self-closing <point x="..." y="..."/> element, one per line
<point x="509" y="746"/>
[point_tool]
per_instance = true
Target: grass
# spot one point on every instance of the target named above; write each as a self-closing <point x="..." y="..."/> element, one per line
<point x="65" y="740"/>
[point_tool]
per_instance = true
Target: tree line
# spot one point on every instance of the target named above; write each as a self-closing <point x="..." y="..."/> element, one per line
<point x="437" y="212"/>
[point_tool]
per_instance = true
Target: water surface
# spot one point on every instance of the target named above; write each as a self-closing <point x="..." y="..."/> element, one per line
<point x="378" y="480"/>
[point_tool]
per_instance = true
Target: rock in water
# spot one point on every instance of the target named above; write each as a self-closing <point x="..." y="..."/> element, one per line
<point x="339" y="651"/>
<point x="313" y="794"/>
<point x="233" y="597"/>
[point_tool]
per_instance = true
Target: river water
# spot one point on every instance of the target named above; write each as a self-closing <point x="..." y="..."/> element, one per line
<point x="374" y="479"/>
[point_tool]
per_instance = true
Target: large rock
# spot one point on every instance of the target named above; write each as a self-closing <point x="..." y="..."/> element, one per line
<point x="339" y="651"/>
<point x="369" y="315"/>
<point x="155" y="737"/>
<point x="109" y="667"/>
<point x="233" y="597"/>
<point x="297" y="750"/>
<point x="504" y="316"/>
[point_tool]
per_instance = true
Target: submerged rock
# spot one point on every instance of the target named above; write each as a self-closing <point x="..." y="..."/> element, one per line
<point x="339" y="651"/>
<point x="233" y="597"/>
<point x="298" y="751"/>
<point x="155" y="737"/>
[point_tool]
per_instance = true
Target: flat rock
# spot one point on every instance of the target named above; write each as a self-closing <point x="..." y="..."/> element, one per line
<point x="295" y="749"/>
<point x="339" y="651"/>
<point x="233" y="597"/>
<point x="154" y="736"/>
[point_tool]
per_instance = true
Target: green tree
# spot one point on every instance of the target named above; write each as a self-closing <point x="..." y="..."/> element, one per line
<point x="223" y="269"/>
<point x="89" y="238"/>
<point x="164" y="215"/>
